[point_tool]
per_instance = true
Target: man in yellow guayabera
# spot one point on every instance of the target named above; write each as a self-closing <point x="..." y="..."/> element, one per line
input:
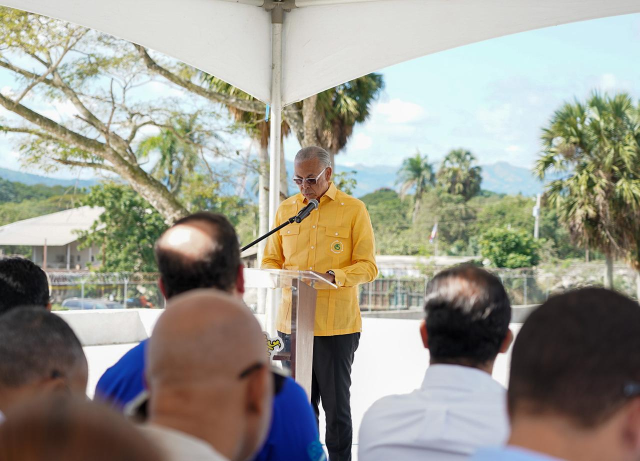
<point x="336" y="241"/>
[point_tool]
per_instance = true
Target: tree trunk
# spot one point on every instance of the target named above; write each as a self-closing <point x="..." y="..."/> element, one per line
<point x="416" y="210"/>
<point x="333" y="161"/>
<point x="608" y="272"/>
<point x="284" y="184"/>
<point x="310" y="120"/>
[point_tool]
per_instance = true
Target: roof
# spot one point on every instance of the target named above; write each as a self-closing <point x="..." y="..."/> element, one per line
<point x="57" y="229"/>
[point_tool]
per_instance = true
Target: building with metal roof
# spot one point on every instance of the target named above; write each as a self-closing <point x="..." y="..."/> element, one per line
<point x="54" y="238"/>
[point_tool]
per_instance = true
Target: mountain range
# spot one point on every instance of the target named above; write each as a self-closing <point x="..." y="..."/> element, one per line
<point x="500" y="177"/>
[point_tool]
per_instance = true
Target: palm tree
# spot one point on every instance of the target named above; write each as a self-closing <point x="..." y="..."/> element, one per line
<point x="594" y="147"/>
<point x="457" y="174"/>
<point x="416" y="173"/>
<point x="178" y="151"/>
<point x="340" y="108"/>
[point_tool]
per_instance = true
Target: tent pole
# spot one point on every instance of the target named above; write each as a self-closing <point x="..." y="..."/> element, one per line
<point x="276" y="119"/>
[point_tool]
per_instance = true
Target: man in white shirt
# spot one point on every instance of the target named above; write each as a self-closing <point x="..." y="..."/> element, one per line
<point x="209" y="380"/>
<point x="459" y="407"/>
<point x="574" y="384"/>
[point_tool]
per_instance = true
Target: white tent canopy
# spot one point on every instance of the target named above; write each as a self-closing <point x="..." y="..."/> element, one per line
<point x="320" y="43"/>
<point x="326" y="42"/>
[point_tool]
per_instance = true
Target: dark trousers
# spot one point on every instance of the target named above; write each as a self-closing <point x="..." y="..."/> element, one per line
<point x="331" y="383"/>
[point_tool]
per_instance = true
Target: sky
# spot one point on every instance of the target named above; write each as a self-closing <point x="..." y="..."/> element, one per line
<point x="491" y="98"/>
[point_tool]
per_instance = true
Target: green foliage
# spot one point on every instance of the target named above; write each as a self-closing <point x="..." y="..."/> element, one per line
<point x="17" y="192"/>
<point x="509" y="248"/>
<point x="416" y="173"/>
<point x="126" y="231"/>
<point x="345" y="181"/>
<point x="176" y="147"/>
<point x="341" y="107"/>
<point x="458" y="175"/>
<point x="594" y="147"/>
<point x="388" y="214"/>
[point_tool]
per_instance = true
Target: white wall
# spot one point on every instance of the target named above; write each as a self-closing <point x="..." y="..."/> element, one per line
<point x="117" y="326"/>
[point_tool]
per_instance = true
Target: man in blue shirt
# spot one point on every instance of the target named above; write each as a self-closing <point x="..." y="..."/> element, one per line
<point x="574" y="385"/>
<point x="202" y="251"/>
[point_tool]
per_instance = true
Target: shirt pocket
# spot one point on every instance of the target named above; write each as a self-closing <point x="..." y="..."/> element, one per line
<point x="340" y="241"/>
<point x="289" y="236"/>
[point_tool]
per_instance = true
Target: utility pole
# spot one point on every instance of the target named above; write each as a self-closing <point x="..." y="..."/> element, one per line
<point x="536" y="214"/>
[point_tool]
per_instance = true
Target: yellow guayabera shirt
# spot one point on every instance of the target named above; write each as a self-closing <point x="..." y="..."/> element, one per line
<point x="337" y="236"/>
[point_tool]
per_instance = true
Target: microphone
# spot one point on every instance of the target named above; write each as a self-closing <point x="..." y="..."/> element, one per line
<point x="313" y="204"/>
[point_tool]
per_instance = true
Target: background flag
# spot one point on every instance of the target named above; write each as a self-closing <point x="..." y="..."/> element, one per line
<point x="434" y="232"/>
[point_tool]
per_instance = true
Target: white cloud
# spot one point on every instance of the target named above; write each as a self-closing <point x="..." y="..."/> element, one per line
<point x="397" y="111"/>
<point x="608" y="82"/>
<point x="162" y="89"/>
<point x="494" y="120"/>
<point x="513" y="149"/>
<point x="7" y="91"/>
<point x="361" y="142"/>
<point x="60" y="111"/>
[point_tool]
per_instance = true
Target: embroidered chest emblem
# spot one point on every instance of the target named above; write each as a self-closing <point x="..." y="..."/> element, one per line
<point x="337" y="247"/>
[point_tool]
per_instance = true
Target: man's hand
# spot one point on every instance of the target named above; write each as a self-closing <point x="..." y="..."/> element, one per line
<point x="328" y="277"/>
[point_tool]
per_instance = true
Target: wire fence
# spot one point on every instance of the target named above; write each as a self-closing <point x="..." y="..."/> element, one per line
<point x="524" y="286"/>
<point x="127" y="289"/>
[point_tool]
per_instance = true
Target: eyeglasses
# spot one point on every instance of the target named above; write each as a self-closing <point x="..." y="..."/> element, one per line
<point x="278" y="378"/>
<point x="309" y="181"/>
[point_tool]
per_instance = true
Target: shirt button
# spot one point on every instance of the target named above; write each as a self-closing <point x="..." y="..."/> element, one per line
<point x="314" y="227"/>
<point x="342" y="203"/>
<point x="336" y="233"/>
<point x="311" y="268"/>
<point x="288" y="232"/>
<point x="312" y="248"/>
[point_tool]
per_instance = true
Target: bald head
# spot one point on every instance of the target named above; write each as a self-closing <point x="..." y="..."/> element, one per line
<point x="199" y="251"/>
<point x="208" y="372"/>
<point x="205" y="333"/>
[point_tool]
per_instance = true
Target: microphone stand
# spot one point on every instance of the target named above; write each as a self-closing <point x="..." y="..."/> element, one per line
<point x="291" y="220"/>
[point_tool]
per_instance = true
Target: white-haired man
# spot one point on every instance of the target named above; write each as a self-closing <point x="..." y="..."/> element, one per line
<point x="337" y="242"/>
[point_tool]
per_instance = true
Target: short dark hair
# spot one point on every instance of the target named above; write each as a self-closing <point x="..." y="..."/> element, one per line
<point x="36" y="344"/>
<point x="22" y="283"/>
<point x="468" y="314"/>
<point x="215" y="269"/>
<point x="574" y="356"/>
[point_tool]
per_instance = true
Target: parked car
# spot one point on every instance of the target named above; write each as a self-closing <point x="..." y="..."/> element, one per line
<point x="90" y="304"/>
<point x="139" y="301"/>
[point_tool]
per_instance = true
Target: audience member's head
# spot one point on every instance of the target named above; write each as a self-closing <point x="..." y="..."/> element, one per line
<point x="22" y="283"/>
<point x="467" y="318"/>
<point x="39" y="354"/>
<point x="574" y="388"/>
<point x="199" y="251"/>
<point x="71" y="429"/>
<point x="208" y="373"/>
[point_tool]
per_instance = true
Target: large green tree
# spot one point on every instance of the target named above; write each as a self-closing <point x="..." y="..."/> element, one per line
<point x="416" y="173"/>
<point x="593" y="147"/>
<point x="459" y="174"/>
<point x="126" y="231"/>
<point x="509" y="248"/>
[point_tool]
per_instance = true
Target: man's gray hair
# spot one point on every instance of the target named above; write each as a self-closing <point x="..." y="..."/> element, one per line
<point x="312" y="152"/>
<point x="36" y="344"/>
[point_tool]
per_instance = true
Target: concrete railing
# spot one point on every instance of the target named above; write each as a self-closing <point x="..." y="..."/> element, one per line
<point x="117" y="326"/>
<point x="122" y="326"/>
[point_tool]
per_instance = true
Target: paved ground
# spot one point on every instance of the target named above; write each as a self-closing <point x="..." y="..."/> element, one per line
<point x="390" y="360"/>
